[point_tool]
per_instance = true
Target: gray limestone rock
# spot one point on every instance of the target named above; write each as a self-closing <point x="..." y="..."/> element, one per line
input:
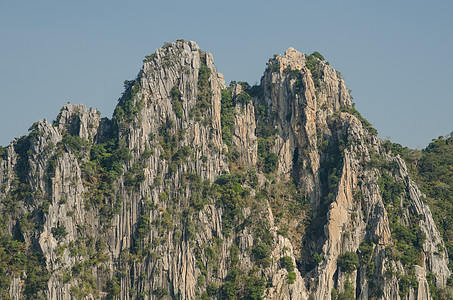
<point x="138" y="224"/>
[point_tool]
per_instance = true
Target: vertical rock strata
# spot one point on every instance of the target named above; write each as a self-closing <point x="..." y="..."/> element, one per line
<point x="302" y="200"/>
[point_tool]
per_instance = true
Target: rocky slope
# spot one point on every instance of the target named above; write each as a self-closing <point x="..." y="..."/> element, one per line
<point x="195" y="190"/>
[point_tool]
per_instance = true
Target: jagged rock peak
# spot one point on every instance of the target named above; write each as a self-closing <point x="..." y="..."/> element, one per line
<point x="310" y="75"/>
<point x="186" y="54"/>
<point x="79" y="120"/>
<point x="292" y="59"/>
<point x="194" y="191"/>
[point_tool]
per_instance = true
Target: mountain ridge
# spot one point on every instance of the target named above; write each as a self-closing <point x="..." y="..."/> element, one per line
<point x="198" y="190"/>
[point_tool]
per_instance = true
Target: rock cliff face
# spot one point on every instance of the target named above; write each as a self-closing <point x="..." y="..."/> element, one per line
<point x="195" y="190"/>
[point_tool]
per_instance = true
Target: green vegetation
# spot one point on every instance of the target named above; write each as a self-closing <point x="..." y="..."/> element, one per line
<point x="404" y="283"/>
<point x="181" y="156"/>
<point x="266" y="134"/>
<point x="262" y="253"/>
<point x="150" y="58"/>
<point x="243" y="98"/>
<point x="15" y="258"/>
<point x="167" y="140"/>
<point x="434" y="168"/>
<point x="437" y="293"/>
<point x="171" y="151"/>
<point x="160" y="292"/>
<point x="231" y="194"/>
<point x="312" y="62"/>
<point x="273" y="66"/>
<point x="59" y="232"/>
<point x="201" y="279"/>
<point x="201" y="191"/>
<point x="135" y="175"/>
<point x="254" y="288"/>
<point x="37" y="275"/>
<point x="113" y="288"/>
<point x="190" y="230"/>
<point x="347" y="294"/>
<point x="2" y="152"/>
<point x="211" y="289"/>
<point x="267" y="160"/>
<point x="318" y="258"/>
<point x="431" y="169"/>
<point x="287" y="263"/>
<point x="366" y="257"/>
<point x="100" y="173"/>
<point x="101" y="164"/>
<point x="227" y="116"/>
<point x="176" y="100"/>
<point x="100" y="170"/>
<point x="128" y="105"/>
<point x="348" y="262"/>
<point x="296" y="74"/>
<point x="408" y="239"/>
<point x="237" y="283"/>
<point x="391" y="190"/>
<point x="291" y="277"/>
<point x="204" y="100"/>
<point x="93" y="255"/>
<point x="228" y="107"/>
<point x="22" y="149"/>
<point x="366" y="125"/>
<point x="317" y="55"/>
<point x="108" y="161"/>
<point x="74" y="143"/>
<point x="289" y="205"/>
<point x="11" y="257"/>
<point x="69" y="143"/>
<point x="143" y="226"/>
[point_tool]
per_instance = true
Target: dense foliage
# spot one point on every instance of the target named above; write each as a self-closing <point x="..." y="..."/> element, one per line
<point x="176" y="100"/>
<point x="227" y="116"/>
<point x="348" y="262"/>
<point x="312" y="62"/>
<point x="129" y="105"/>
<point x="432" y="170"/>
<point x="231" y="194"/>
<point x="237" y="282"/>
<point x="204" y="99"/>
<point x="267" y="160"/>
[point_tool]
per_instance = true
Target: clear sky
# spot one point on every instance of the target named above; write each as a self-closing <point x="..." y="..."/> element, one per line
<point x="396" y="56"/>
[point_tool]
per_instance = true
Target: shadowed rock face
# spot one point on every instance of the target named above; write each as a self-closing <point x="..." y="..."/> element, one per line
<point x="195" y="190"/>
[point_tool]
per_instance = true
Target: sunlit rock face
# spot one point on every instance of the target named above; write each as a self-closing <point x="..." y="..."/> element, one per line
<point x="195" y="190"/>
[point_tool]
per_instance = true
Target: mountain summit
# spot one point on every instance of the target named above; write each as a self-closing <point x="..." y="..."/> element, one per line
<point x="196" y="190"/>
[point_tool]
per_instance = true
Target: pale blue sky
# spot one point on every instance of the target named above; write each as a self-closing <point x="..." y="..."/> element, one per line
<point x="396" y="56"/>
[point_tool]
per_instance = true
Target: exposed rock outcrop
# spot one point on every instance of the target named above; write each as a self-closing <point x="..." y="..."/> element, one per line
<point x="304" y="201"/>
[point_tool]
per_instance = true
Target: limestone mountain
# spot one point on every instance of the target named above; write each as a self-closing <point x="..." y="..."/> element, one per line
<point x="196" y="190"/>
